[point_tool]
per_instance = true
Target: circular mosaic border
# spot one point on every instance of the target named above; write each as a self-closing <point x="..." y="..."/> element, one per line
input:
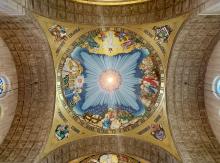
<point x="102" y="130"/>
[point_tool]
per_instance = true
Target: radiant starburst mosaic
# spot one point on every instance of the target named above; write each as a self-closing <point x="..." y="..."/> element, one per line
<point x="111" y="80"/>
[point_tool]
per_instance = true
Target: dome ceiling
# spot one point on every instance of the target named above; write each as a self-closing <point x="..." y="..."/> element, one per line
<point x="111" y="86"/>
<point x="110" y="80"/>
<point x="110" y="2"/>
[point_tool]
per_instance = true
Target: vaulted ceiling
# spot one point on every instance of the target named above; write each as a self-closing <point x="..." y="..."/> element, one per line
<point x="30" y="115"/>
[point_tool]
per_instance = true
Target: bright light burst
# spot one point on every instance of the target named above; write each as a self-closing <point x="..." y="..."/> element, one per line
<point x="111" y="82"/>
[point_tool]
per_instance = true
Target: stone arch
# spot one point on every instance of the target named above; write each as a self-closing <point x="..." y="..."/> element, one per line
<point x="109" y="144"/>
<point x="146" y="12"/>
<point x="185" y="90"/>
<point x="36" y="89"/>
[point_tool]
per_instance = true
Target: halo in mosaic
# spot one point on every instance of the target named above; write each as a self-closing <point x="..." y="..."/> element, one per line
<point x="111" y="80"/>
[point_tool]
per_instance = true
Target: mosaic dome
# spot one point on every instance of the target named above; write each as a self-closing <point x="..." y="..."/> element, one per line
<point x="111" y="80"/>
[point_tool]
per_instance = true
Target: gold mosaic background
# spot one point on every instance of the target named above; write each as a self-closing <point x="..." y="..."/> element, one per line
<point x="142" y="132"/>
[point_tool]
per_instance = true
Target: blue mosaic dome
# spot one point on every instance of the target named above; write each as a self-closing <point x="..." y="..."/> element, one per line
<point x="111" y="80"/>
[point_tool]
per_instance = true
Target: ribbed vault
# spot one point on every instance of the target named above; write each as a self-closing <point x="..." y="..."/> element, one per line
<point x="185" y="90"/>
<point x="36" y="89"/>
